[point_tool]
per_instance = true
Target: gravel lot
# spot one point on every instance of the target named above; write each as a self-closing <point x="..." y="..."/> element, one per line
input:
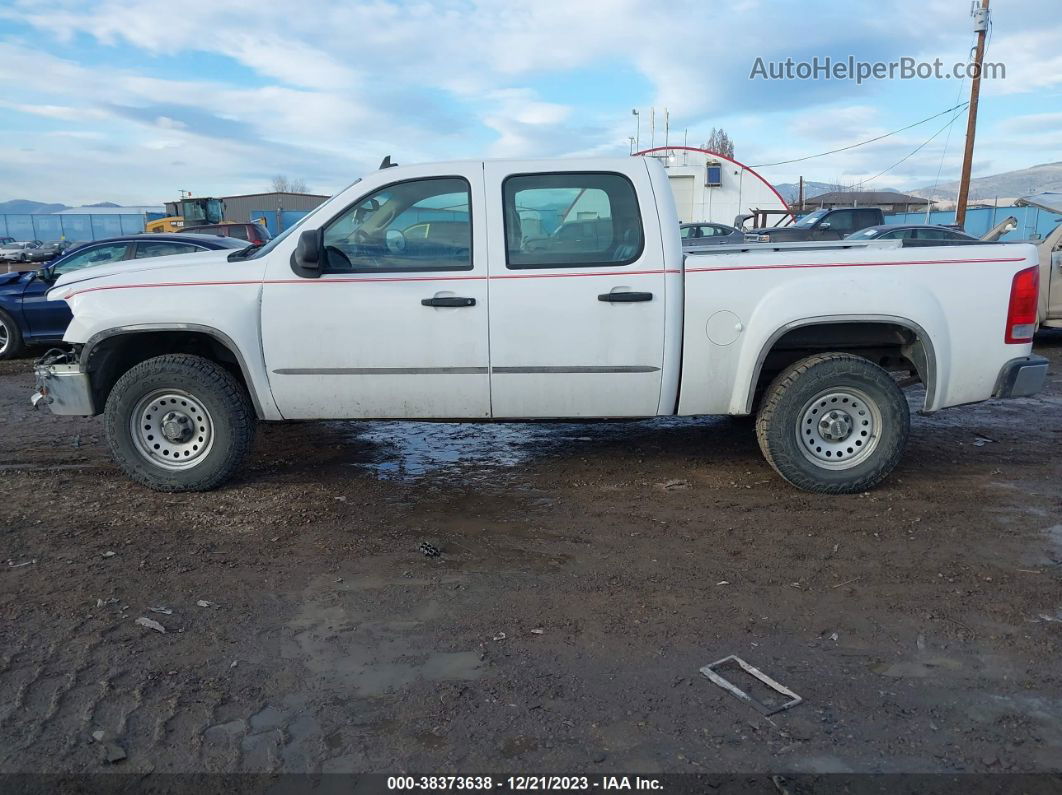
<point x="587" y="571"/>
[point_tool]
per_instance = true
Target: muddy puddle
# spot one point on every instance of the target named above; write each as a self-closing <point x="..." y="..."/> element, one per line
<point x="403" y="450"/>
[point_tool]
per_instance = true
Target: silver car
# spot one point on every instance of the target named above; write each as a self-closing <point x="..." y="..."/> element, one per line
<point x="709" y="234"/>
<point x="18" y="251"/>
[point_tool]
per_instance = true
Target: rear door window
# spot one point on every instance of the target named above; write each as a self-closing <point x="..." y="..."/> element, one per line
<point x="843" y="222"/>
<point x="578" y="219"/>
<point x="163" y="248"/>
<point x="865" y="218"/>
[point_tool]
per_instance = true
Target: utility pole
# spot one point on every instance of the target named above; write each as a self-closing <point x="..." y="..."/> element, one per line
<point x="980" y="15"/>
<point x="637" y="129"/>
<point x="801" y="194"/>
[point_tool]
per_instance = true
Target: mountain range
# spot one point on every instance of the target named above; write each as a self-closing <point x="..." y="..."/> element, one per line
<point x="28" y="207"/>
<point x="1010" y="184"/>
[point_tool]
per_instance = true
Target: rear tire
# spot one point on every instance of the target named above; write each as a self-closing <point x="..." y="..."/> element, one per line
<point x="833" y="423"/>
<point x="179" y="423"/>
<point x="10" y="337"/>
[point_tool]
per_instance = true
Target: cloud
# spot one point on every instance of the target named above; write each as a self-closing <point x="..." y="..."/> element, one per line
<point x="323" y="90"/>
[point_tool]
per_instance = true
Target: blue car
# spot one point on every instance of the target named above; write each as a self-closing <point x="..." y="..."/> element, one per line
<point x="27" y="318"/>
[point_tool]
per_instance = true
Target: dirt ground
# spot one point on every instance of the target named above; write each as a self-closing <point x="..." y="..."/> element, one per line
<point x="587" y="572"/>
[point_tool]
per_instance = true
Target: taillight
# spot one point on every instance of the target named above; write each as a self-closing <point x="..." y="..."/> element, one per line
<point x="1021" y="314"/>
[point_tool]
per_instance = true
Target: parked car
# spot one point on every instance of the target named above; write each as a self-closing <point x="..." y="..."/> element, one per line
<point x="255" y="234"/>
<point x="928" y="234"/>
<point x="822" y="224"/>
<point x="18" y="251"/>
<point x="5" y="240"/>
<point x="709" y="234"/>
<point x="28" y="317"/>
<point x="46" y="252"/>
<point x="339" y="317"/>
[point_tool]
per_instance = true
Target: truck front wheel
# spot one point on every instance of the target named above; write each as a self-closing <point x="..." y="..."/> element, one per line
<point x="179" y="423"/>
<point x="833" y="423"/>
<point x="10" y="337"/>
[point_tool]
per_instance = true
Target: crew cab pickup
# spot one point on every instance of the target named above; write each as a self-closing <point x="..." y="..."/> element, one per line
<point x="821" y="224"/>
<point x="509" y="290"/>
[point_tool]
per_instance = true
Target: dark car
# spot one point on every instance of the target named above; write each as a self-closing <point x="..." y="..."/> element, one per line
<point x="709" y="234"/>
<point x="46" y="252"/>
<point x="822" y="224"/>
<point x="255" y="234"/>
<point x="27" y="317"/>
<point x="928" y="234"/>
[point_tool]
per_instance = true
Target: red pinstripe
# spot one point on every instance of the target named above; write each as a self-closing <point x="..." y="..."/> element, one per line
<point x="364" y="280"/>
<point x="852" y="264"/>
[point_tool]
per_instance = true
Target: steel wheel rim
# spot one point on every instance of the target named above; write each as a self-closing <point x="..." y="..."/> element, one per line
<point x="172" y="429"/>
<point x="839" y="428"/>
<point x="5" y="337"/>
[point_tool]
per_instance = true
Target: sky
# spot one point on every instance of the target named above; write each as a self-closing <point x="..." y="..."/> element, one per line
<point x="132" y="101"/>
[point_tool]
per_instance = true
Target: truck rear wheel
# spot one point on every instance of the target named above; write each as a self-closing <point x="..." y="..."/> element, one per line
<point x="833" y="423"/>
<point x="179" y="423"/>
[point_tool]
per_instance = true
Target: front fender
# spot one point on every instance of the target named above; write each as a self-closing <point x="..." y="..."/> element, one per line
<point x="222" y="301"/>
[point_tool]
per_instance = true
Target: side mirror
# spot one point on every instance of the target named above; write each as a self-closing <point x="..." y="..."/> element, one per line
<point x="309" y="251"/>
<point x="46" y="274"/>
<point x="824" y="225"/>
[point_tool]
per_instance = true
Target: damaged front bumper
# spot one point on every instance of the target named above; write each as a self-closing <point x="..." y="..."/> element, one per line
<point x="62" y="385"/>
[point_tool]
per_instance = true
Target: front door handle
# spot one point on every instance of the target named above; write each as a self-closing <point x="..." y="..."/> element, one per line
<point x="625" y="298"/>
<point x="448" y="301"/>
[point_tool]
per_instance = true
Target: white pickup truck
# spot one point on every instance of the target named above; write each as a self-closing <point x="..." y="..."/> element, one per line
<point x="507" y="290"/>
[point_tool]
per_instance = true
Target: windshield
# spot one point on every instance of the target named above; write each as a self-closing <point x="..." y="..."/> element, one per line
<point x="261" y="251"/>
<point x="811" y="218"/>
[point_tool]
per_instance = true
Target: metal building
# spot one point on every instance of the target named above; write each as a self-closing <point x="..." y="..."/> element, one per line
<point x="711" y="187"/>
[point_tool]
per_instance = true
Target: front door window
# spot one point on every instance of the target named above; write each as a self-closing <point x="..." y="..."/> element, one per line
<point x="420" y="225"/>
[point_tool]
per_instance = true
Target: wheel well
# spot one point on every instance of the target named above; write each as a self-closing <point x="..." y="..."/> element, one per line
<point x="897" y="347"/>
<point x="111" y="358"/>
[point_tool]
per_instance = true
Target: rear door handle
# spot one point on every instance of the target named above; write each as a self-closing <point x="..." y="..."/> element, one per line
<point x="448" y="301"/>
<point x="624" y="298"/>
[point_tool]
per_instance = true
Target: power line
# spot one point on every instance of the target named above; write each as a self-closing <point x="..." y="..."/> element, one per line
<point x="960" y="106"/>
<point x="914" y="151"/>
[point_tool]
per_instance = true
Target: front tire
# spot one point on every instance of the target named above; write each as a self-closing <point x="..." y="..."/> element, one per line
<point x="10" y="337"/>
<point x="833" y="423"/>
<point x="179" y="423"/>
